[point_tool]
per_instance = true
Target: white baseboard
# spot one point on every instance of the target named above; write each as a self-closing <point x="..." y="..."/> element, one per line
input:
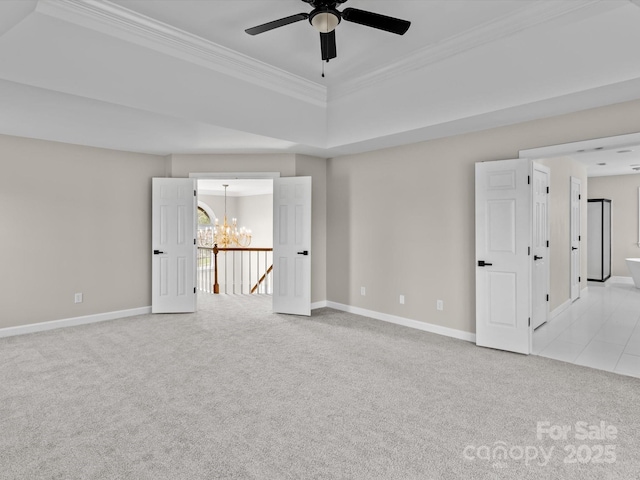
<point x="70" y="322"/>
<point x="406" y="322"/>
<point x="584" y="292"/>
<point x="320" y="304"/>
<point x="559" y="309"/>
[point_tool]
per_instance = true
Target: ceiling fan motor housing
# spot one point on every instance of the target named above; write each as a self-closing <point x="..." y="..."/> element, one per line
<point x="325" y="19"/>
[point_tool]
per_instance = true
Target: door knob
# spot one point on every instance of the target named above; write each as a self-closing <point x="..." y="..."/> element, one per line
<point x="574" y="248"/>
<point x="482" y="263"/>
<point x="535" y="257"/>
<point x="304" y="252"/>
<point x="157" y="252"/>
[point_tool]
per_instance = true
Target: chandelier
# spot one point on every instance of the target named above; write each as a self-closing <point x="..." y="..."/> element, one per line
<point x="226" y="235"/>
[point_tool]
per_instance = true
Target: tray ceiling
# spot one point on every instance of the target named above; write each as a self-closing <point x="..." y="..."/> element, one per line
<point x="181" y="76"/>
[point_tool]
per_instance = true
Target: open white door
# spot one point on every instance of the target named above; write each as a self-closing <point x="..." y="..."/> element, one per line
<point x="575" y="238"/>
<point x="292" y="245"/>
<point x="173" y="245"/>
<point x="503" y="274"/>
<point x="540" y="246"/>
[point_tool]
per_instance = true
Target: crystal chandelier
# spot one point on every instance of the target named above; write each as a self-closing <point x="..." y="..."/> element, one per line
<point x="226" y="235"/>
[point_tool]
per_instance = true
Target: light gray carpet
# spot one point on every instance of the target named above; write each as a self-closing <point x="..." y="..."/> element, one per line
<point x="221" y="395"/>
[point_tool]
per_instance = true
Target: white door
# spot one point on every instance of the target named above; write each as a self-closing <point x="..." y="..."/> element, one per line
<point x="292" y="245"/>
<point x="503" y="235"/>
<point x="575" y="238"/>
<point x="173" y="245"/>
<point x="540" y="246"/>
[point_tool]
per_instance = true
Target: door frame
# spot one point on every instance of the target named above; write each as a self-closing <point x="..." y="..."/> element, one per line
<point x="543" y="168"/>
<point x="575" y="180"/>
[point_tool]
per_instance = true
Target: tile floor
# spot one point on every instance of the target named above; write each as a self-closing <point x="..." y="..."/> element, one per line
<point x="600" y="330"/>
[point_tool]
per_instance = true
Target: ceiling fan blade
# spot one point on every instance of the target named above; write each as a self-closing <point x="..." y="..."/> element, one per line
<point x="328" y="45"/>
<point x="375" y="20"/>
<point x="277" y="23"/>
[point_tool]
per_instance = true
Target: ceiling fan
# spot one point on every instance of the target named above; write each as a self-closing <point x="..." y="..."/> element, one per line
<point x="325" y="18"/>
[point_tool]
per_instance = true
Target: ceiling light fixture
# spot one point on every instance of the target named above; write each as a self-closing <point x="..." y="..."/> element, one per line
<point x="226" y="235"/>
<point x="325" y="21"/>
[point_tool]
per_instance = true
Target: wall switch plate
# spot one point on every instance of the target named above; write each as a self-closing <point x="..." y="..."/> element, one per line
<point x="363" y="291"/>
<point x="402" y="299"/>
<point x="439" y="305"/>
<point x="77" y="298"/>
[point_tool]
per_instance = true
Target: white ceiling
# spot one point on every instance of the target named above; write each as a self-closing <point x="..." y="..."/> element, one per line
<point x="619" y="155"/>
<point x="237" y="187"/>
<point x="181" y="76"/>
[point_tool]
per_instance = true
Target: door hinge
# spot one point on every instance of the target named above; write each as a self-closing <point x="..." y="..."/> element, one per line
<point x="547" y="189"/>
<point x="194" y="289"/>
<point x="579" y="197"/>
<point x="579" y="279"/>
<point x="579" y="238"/>
<point x="547" y="297"/>
<point x="195" y="194"/>
<point x="194" y="241"/>
<point x="529" y="250"/>
<point x="547" y="243"/>
<point x="528" y="179"/>
<point x="529" y="321"/>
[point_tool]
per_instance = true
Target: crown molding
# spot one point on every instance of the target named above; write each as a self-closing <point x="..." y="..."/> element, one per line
<point x="522" y="19"/>
<point x="120" y="22"/>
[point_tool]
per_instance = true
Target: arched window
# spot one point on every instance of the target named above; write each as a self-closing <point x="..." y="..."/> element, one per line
<point x="203" y="217"/>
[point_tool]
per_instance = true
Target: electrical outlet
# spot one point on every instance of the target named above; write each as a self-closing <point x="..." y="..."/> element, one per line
<point x="77" y="298"/>
<point x="363" y="291"/>
<point x="401" y="299"/>
<point x="439" y="305"/>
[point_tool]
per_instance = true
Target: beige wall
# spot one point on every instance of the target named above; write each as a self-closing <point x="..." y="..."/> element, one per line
<point x="622" y="190"/>
<point x="183" y="165"/>
<point x="73" y="219"/>
<point x="561" y="171"/>
<point x="397" y="221"/>
<point x="401" y="220"/>
<point x="288" y="165"/>
<point x="256" y="213"/>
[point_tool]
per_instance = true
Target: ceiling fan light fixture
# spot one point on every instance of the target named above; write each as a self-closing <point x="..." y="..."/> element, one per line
<point x="325" y="22"/>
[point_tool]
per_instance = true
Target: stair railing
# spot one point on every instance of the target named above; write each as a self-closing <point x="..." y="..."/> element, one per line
<point x="239" y="270"/>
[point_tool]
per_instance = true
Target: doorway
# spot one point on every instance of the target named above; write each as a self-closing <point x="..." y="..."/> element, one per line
<point x="244" y="209"/>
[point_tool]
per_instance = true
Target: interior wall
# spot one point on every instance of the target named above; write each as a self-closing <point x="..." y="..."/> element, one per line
<point x="622" y="190"/>
<point x="401" y="220"/>
<point x="74" y="220"/>
<point x="255" y="212"/>
<point x="561" y="171"/>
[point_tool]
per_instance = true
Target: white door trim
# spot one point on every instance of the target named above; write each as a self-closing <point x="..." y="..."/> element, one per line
<point x="235" y="175"/>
